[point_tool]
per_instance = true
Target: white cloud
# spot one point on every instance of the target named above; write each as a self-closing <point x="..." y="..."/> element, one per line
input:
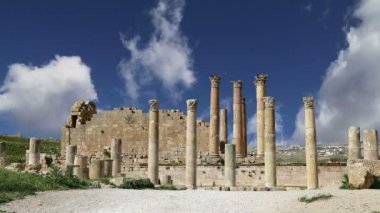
<point x="40" y="98"/>
<point x="349" y="94"/>
<point x="165" y="57"/>
<point x="279" y="125"/>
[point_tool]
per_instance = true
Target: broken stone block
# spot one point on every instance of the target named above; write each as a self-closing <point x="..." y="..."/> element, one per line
<point x="359" y="176"/>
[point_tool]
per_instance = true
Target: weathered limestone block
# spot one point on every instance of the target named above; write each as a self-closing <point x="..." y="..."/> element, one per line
<point x="260" y="83"/>
<point x="81" y="169"/>
<point x="360" y="176"/>
<point x="373" y="165"/>
<point x="107" y="168"/>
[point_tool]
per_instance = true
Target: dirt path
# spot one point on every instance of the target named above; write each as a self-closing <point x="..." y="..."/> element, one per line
<point x="121" y="200"/>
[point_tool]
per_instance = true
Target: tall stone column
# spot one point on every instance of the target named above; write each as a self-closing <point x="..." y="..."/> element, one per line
<point x="116" y="156"/>
<point x="214" y="116"/>
<point x="260" y="83"/>
<point x="191" y="144"/>
<point x="229" y="165"/>
<point x="153" y="141"/>
<point x="71" y="151"/>
<point x="237" y="125"/>
<point x="34" y="151"/>
<point x="311" y="144"/>
<point x="244" y="127"/>
<point x="270" y="142"/>
<point x="223" y="129"/>
<point x="370" y="145"/>
<point x="3" y="150"/>
<point x="353" y="143"/>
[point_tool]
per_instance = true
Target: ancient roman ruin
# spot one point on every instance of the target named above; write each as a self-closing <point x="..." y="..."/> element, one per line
<point x="171" y="147"/>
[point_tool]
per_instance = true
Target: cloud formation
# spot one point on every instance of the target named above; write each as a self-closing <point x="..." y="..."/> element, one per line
<point x="40" y="98"/>
<point x="166" y="57"/>
<point x="349" y="94"/>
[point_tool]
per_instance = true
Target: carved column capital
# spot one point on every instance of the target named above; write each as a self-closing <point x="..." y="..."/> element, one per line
<point x="269" y="102"/>
<point x="308" y="102"/>
<point x="153" y="104"/>
<point x="261" y="79"/>
<point x="192" y="105"/>
<point x="237" y="83"/>
<point x="215" y="80"/>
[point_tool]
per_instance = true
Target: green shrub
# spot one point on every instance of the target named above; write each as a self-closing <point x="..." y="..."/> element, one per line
<point x="167" y="187"/>
<point x="309" y="199"/>
<point x="105" y="180"/>
<point x="375" y="184"/>
<point x="67" y="179"/>
<point x="137" y="184"/>
<point x="345" y="183"/>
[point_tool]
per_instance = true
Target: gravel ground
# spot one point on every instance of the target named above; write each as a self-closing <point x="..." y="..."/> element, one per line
<point x="122" y="200"/>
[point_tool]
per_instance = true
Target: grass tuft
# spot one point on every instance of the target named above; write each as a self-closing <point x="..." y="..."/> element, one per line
<point x="167" y="187"/>
<point x="137" y="184"/>
<point x="309" y="199"/>
<point x="345" y="183"/>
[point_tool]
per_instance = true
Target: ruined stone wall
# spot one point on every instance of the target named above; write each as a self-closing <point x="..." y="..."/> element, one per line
<point x="131" y="125"/>
<point x="288" y="176"/>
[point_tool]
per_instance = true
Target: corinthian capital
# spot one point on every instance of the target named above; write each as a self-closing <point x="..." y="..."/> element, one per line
<point x="192" y="105"/>
<point x="153" y="104"/>
<point x="269" y="102"/>
<point x="237" y="83"/>
<point x="308" y="102"/>
<point x="261" y="79"/>
<point x="215" y="80"/>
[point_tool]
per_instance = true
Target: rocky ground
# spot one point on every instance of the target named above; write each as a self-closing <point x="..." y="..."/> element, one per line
<point x="122" y="200"/>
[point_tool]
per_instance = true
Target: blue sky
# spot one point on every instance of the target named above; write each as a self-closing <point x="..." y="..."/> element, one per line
<point x="295" y="42"/>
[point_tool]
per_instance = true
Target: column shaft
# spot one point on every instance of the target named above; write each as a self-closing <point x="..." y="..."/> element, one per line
<point x="153" y="146"/>
<point x="223" y="130"/>
<point x="270" y="143"/>
<point x="370" y="145"/>
<point x="260" y="82"/>
<point x="353" y="143"/>
<point x="311" y="144"/>
<point x="244" y="127"/>
<point x="229" y="165"/>
<point x="116" y="156"/>
<point x="34" y="151"/>
<point x="71" y="151"/>
<point x="96" y="169"/>
<point x="191" y="144"/>
<point x="214" y="116"/>
<point x="237" y="125"/>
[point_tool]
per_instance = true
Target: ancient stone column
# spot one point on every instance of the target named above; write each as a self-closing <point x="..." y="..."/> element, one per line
<point x="260" y="81"/>
<point x="353" y="143"/>
<point x="3" y="150"/>
<point x="223" y="129"/>
<point x="370" y="145"/>
<point x="229" y="165"/>
<point x="191" y="144"/>
<point x="270" y="142"/>
<point x="153" y="141"/>
<point x="311" y="144"/>
<point x="244" y="127"/>
<point x="214" y="117"/>
<point x="237" y="125"/>
<point x="80" y="167"/>
<point x="116" y="156"/>
<point x="96" y="169"/>
<point x="71" y="151"/>
<point x="107" y="168"/>
<point x="34" y="151"/>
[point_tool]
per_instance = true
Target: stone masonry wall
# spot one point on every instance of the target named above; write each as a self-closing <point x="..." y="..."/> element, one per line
<point x="131" y="125"/>
<point x="289" y="176"/>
